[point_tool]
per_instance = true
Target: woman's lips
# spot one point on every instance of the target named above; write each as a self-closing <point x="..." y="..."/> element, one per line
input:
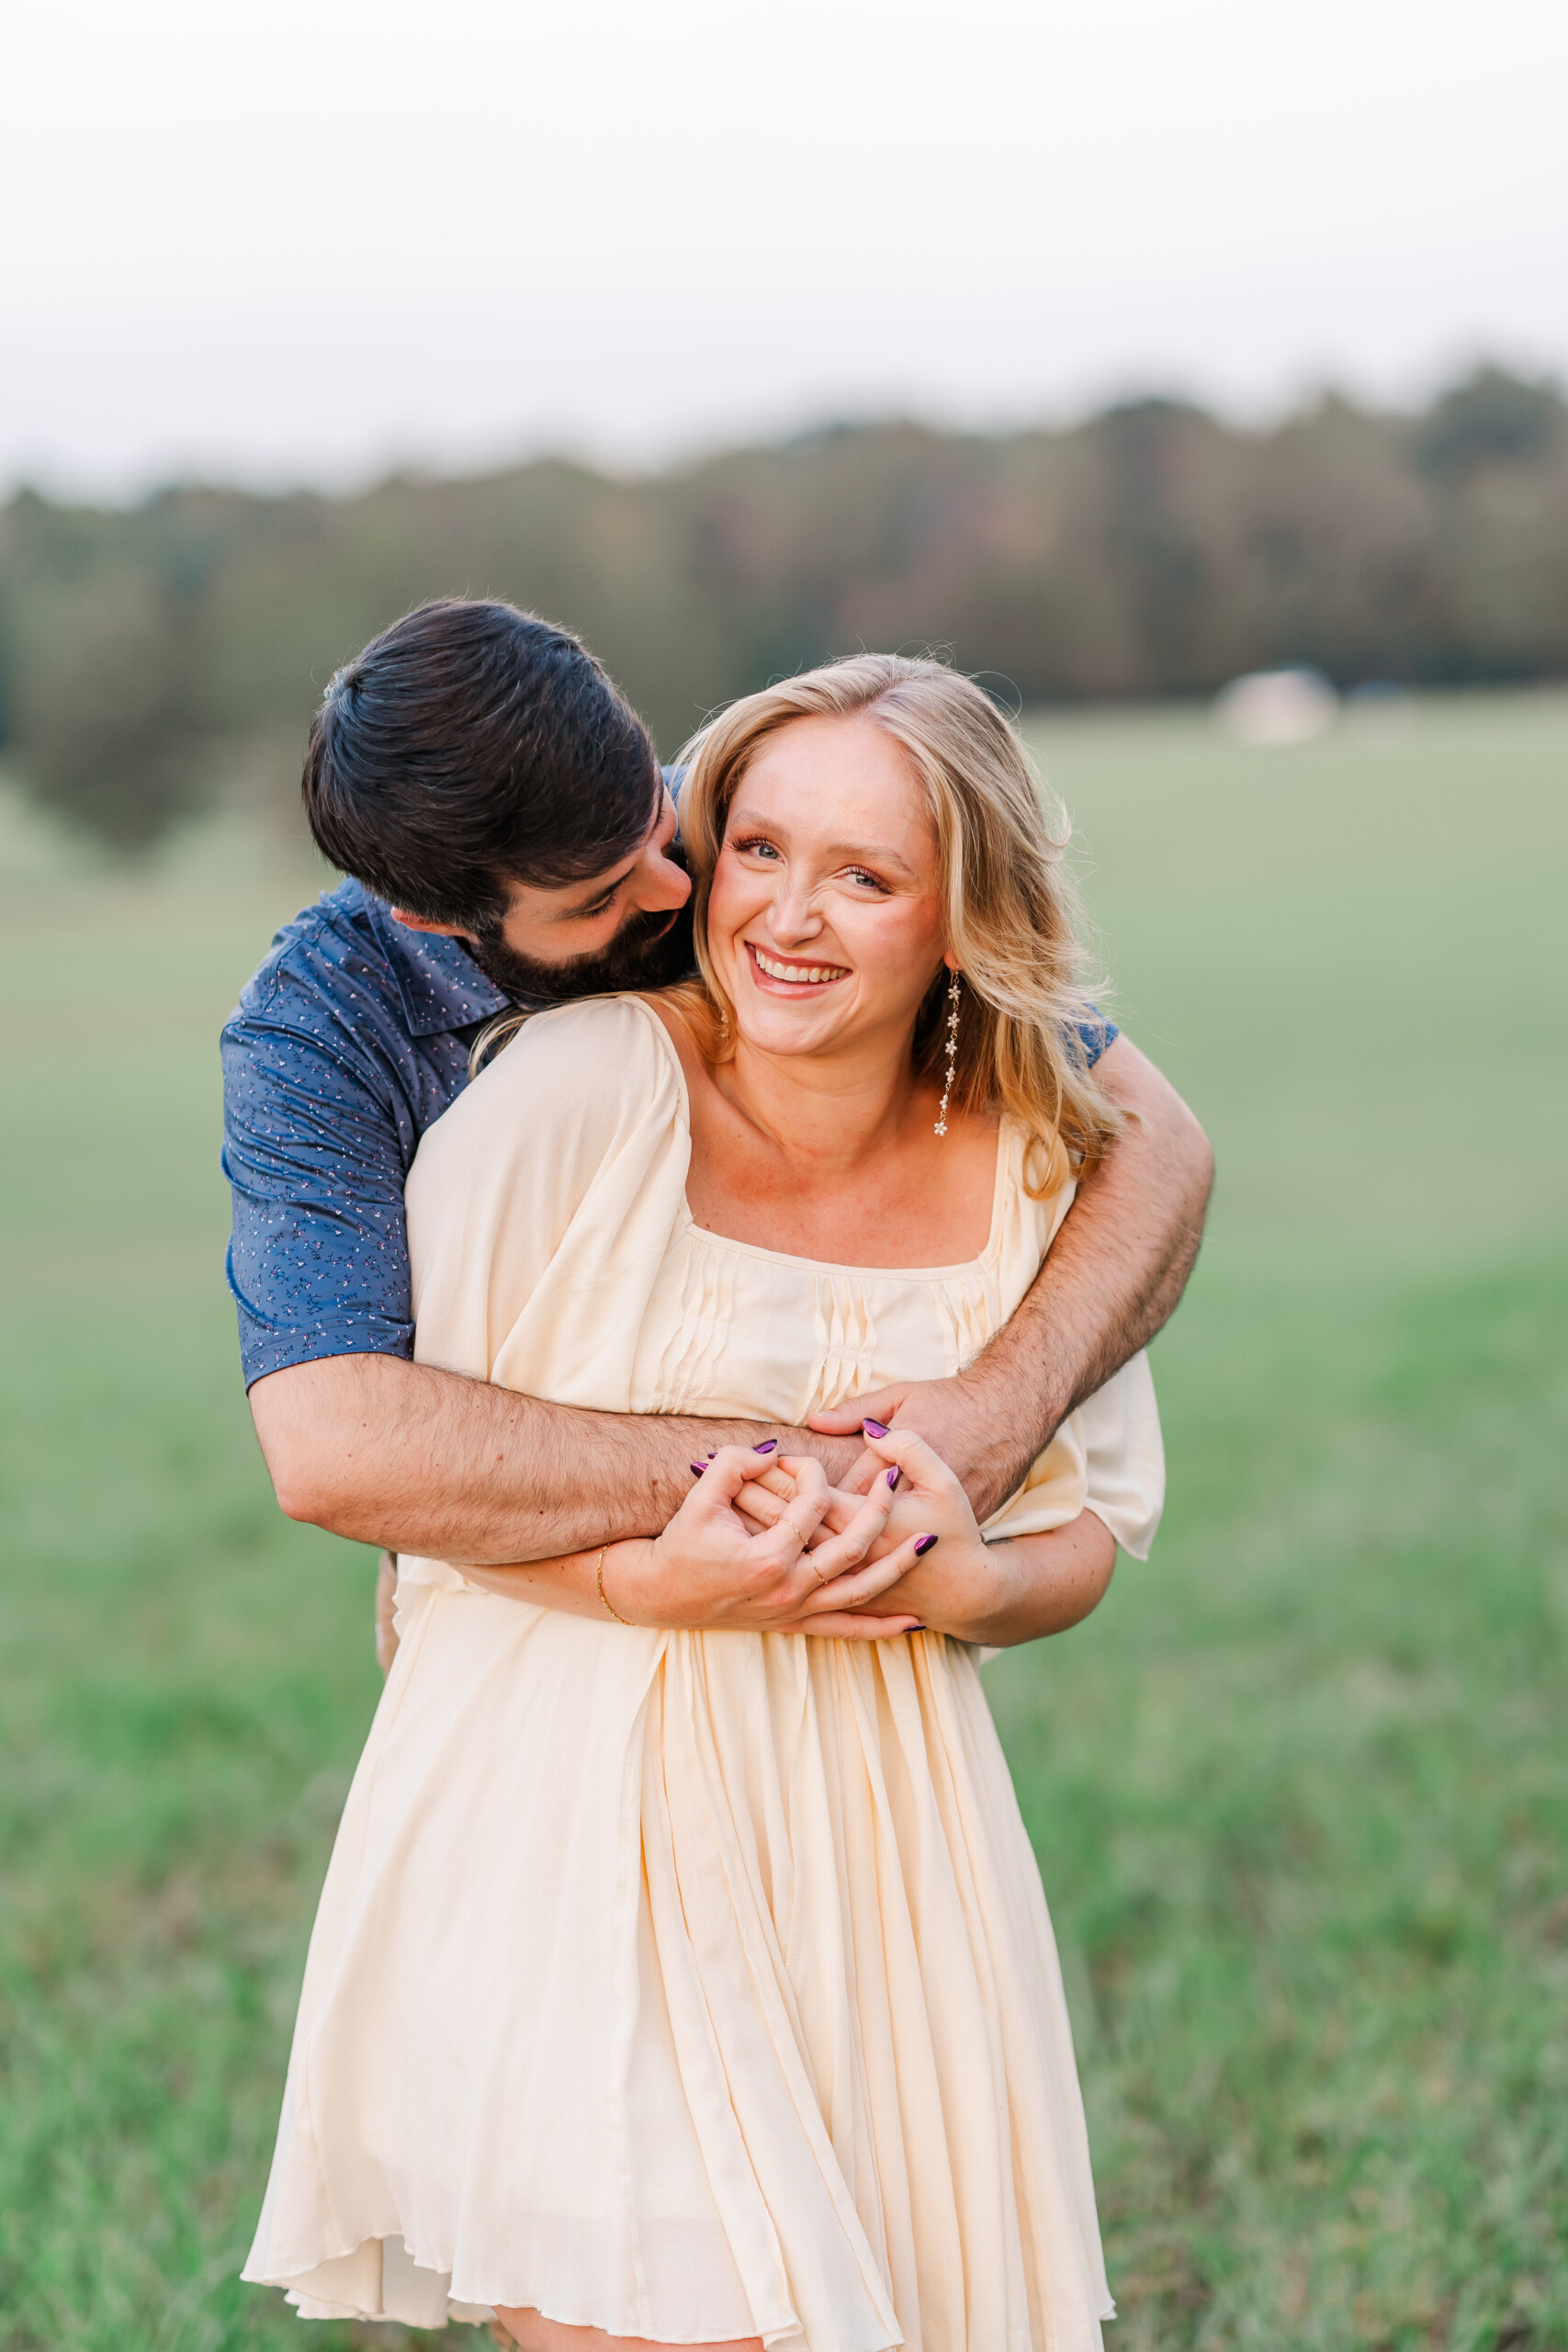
<point x="790" y="974"/>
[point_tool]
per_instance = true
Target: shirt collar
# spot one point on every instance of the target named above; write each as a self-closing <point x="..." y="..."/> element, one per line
<point x="438" y="982"/>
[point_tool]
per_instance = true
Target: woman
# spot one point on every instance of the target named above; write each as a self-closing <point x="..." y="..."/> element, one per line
<point x="683" y="1974"/>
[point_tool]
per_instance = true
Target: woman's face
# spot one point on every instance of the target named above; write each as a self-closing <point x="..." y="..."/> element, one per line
<point x="825" y="919"/>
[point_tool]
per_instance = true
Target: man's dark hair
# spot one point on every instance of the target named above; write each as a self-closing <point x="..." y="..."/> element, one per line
<point x="470" y="746"/>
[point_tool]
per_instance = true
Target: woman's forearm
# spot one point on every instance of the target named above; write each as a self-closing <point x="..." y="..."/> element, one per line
<point x="1026" y="1589"/>
<point x="570" y="1582"/>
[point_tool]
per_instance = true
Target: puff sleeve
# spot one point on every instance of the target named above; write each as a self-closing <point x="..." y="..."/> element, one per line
<point x="1107" y="1457"/>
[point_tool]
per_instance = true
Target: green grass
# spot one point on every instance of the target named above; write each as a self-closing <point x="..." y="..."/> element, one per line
<point x="1300" y="1789"/>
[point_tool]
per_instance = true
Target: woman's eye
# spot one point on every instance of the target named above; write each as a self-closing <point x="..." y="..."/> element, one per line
<point x="755" y="849"/>
<point x="863" y="875"/>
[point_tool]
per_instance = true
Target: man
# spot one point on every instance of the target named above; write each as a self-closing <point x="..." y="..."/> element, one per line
<point x="510" y="839"/>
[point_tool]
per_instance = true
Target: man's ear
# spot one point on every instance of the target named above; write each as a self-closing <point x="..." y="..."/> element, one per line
<point x="422" y="923"/>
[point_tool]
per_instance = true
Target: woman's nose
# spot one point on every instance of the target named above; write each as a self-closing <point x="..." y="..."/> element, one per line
<point x="792" y="917"/>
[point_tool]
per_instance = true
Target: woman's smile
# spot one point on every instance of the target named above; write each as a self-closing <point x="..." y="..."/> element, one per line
<point x="784" y="977"/>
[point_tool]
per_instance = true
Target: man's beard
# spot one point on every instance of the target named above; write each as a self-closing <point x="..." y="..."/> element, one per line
<point x="647" y="952"/>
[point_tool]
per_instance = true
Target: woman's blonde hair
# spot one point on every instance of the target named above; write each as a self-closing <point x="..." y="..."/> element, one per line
<point x="1010" y="908"/>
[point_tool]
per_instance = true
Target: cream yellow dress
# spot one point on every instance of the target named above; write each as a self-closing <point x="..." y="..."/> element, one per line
<point x="690" y="1986"/>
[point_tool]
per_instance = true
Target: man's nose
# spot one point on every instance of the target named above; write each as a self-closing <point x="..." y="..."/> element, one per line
<point x="661" y="883"/>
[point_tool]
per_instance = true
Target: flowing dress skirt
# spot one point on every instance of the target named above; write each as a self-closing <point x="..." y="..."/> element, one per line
<point x="689" y="1986"/>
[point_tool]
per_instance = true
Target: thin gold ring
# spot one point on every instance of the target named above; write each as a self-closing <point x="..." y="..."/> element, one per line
<point x="810" y="1562"/>
<point x="804" y="1552"/>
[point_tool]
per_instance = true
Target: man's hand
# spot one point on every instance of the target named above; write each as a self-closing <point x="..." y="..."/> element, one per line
<point x="957" y="1417"/>
<point x="1113" y="1276"/>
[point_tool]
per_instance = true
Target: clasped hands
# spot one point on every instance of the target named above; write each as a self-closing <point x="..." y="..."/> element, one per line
<point x="765" y="1544"/>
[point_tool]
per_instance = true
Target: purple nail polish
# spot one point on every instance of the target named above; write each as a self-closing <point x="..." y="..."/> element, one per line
<point x="923" y="1543"/>
<point x="697" y="1469"/>
<point x="769" y="1446"/>
<point x="914" y="1629"/>
<point x="874" y="1428"/>
<point x="892" y="1476"/>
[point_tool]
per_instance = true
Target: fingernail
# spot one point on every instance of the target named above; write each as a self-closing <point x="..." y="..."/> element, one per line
<point x="923" y="1543"/>
<point x="874" y="1428"/>
<point x="892" y="1476"/>
<point x="769" y="1446"/>
<point x="697" y="1469"/>
<point x="712" y="1451"/>
<point x="914" y="1629"/>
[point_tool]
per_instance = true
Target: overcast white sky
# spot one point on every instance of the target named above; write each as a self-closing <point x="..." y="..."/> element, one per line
<point x="308" y="240"/>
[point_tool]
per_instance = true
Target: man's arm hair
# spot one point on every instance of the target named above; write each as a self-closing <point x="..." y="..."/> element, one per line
<point x="1113" y="1277"/>
<point x="1118" y="1268"/>
<point x="417" y="1460"/>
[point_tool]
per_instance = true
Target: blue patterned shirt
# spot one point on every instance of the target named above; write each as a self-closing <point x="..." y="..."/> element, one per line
<point x="351" y="1039"/>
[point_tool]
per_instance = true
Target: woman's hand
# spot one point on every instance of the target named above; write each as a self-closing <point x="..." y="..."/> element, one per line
<point x="953" y="1573"/>
<point x="708" y="1570"/>
<point x="995" y="1593"/>
<point x="953" y="1586"/>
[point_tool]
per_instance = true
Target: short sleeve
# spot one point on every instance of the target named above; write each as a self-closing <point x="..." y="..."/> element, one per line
<point x="1108" y="1457"/>
<point x="315" y="1155"/>
<point x="1094" y="1033"/>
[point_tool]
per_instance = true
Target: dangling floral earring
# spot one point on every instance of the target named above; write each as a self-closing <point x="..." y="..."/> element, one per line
<point x="954" y="990"/>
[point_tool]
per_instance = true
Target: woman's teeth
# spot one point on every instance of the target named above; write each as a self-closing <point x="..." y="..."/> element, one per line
<point x="798" y="972"/>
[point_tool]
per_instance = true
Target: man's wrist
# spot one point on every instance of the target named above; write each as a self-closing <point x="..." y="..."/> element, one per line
<point x="838" y="1456"/>
<point x="996" y="1450"/>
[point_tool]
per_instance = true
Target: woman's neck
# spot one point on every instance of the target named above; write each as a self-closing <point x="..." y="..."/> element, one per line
<point x="834" y="1158"/>
<point x="829" y="1115"/>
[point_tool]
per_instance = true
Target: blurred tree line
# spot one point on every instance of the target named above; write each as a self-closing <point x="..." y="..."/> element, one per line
<point x="1149" y="550"/>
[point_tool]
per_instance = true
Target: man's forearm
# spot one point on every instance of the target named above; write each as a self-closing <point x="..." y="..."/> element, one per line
<point x="415" y="1460"/>
<point x="1113" y="1276"/>
<point x="1118" y="1268"/>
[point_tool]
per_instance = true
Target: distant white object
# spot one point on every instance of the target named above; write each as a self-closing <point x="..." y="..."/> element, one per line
<point x="1276" y="706"/>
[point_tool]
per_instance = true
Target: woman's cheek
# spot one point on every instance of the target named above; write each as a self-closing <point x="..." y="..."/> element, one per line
<point x="724" y="918"/>
<point x="901" y="951"/>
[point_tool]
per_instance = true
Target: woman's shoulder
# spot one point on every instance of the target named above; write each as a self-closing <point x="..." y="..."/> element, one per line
<point x="1037" y="1189"/>
<point x="576" y="1079"/>
<point x="1033" y="1198"/>
<point x="602" y="1035"/>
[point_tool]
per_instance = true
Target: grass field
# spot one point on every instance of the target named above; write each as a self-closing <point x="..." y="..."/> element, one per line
<point x="1301" y="1788"/>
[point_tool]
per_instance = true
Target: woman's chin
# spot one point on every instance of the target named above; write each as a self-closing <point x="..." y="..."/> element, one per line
<point x="774" y="1025"/>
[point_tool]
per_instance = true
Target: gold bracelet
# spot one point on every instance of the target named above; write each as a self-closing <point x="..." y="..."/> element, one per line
<point x="599" y="1580"/>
